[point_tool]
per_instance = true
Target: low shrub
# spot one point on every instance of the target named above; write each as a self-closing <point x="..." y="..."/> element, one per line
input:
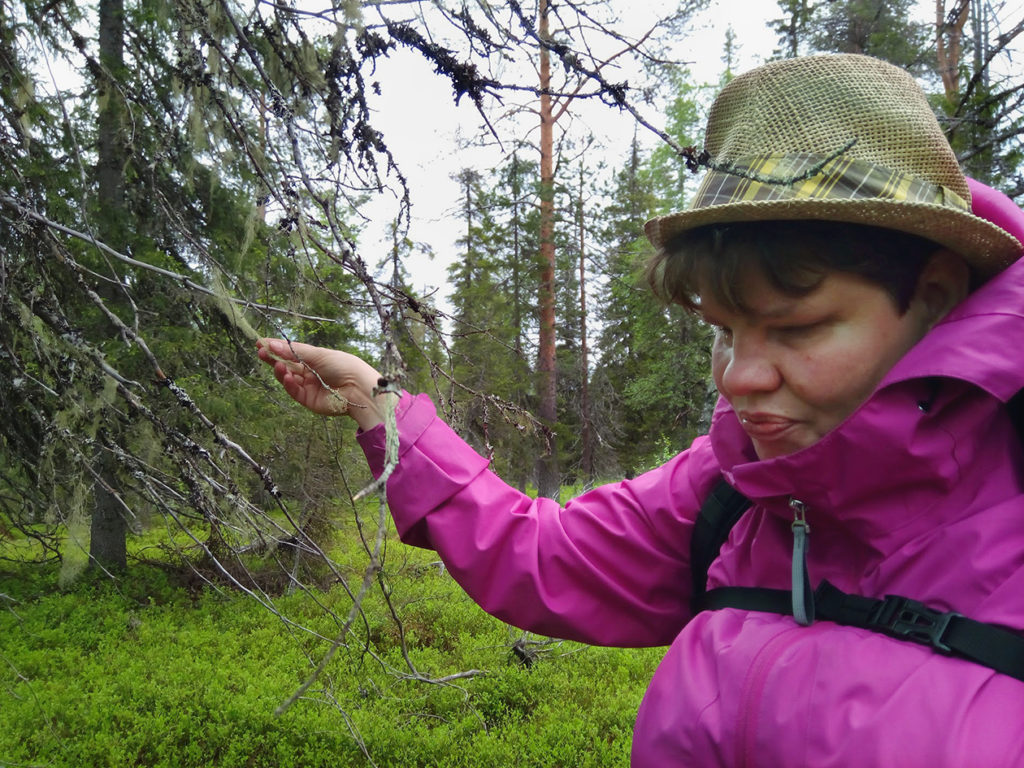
<point x="153" y="671"/>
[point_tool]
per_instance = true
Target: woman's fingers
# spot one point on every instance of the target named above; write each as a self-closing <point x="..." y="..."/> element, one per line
<point x="326" y="381"/>
<point x="278" y="350"/>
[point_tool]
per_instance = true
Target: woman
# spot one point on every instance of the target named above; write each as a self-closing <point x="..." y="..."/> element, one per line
<point x="865" y="317"/>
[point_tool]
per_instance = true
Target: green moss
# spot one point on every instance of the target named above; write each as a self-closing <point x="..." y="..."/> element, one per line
<point x="151" y="671"/>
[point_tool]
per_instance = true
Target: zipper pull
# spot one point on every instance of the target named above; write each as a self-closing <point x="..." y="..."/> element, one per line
<point x="803" y="597"/>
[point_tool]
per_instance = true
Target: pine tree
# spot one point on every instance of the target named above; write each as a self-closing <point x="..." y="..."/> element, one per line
<point x="121" y="318"/>
<point x="981" y="108"/>
<point x="791" y="27"/>
<point x="515" y="220"/>
<point x="881" y="28"/>
<point x="684" y="122"/>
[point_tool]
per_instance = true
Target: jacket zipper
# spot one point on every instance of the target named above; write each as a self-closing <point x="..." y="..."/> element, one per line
<point x="803" y="598"/>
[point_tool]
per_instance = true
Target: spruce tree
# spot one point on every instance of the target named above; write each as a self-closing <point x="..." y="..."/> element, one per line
<point x="651" y="383"/>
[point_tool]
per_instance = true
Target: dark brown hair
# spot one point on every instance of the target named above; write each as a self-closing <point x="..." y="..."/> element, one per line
<point x="794" y="256"/>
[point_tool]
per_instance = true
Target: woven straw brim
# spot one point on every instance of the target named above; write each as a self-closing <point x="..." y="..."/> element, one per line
<point x="982" y="244"/>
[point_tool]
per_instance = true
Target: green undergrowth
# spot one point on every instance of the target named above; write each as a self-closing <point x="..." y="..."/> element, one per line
<point x="152" y="671"/>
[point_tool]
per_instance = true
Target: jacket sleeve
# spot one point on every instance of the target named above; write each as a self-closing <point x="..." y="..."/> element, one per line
<point x="610" y="568"/>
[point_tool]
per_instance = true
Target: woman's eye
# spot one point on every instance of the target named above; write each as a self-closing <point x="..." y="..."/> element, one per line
<point x="722" y="331"/>
<point x="798" y="331"/>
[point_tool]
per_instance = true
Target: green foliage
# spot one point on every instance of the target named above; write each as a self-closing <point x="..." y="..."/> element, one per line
<point x="881" y="28"/>
<point x="133" y="392"/>
<point x="981" y="111"/>
<point x="885" y="29"/>
<point x="651" y="383"/>
<point x="790" y="28"/>
<point x="493" y="285"/>
<point x="668" y="175"/>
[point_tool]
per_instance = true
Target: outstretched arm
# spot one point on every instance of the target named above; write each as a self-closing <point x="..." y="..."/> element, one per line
<point x="609" y="568"/>
<point x="326" y="381"/>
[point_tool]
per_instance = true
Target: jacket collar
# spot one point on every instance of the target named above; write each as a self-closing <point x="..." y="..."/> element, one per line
<point x="977" y="342"/>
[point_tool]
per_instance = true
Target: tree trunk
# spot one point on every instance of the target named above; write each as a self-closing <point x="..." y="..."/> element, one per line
<point x="547" y="384"/>
<point x="109" y="530"/>
<point x="949" y="30"/>
<point x="517" y="255"/>
<point x="586" y="434"/>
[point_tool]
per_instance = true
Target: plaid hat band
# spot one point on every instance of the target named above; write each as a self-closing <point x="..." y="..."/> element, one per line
<point x="817" y="177"/>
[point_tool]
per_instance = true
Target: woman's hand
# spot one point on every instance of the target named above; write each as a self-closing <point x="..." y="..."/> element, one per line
<point x="325" y="381"/>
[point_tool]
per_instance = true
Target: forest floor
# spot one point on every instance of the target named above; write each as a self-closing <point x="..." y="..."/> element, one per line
<point x="159" y="669"/>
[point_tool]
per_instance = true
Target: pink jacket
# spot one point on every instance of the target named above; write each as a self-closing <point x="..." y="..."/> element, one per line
<point x="919" y="493"/>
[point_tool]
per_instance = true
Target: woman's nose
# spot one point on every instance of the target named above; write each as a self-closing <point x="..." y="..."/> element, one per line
<point x="745" y="367"/>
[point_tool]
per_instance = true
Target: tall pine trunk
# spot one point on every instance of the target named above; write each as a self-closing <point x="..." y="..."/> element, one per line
<point x="547" y="382"/>
<point x="586" y="433"/>
<point x="949" y="28"/>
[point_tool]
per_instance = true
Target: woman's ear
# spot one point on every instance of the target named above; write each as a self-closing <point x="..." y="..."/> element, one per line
<point x="944" y="282"/>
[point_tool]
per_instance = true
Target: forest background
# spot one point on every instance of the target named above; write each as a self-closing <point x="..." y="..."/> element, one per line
<point x="195" y="571"/>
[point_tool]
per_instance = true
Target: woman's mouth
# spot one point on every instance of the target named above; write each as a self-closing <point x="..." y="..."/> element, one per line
<point x="765" y="426"/>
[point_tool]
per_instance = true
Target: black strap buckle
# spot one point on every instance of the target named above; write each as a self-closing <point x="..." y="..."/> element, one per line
<point x="910" y="620"/>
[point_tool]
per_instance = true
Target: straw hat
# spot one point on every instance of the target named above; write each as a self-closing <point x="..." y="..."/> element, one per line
<point x="839" y="138"/>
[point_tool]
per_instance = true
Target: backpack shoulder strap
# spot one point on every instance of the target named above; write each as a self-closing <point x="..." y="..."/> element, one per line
<point x="721" y="511"/>
<point x="949" y="633"/>
<point x="1016" y="408"/>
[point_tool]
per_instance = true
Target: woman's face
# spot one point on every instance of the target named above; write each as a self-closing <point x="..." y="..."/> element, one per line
<point x="795" y="367"/>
